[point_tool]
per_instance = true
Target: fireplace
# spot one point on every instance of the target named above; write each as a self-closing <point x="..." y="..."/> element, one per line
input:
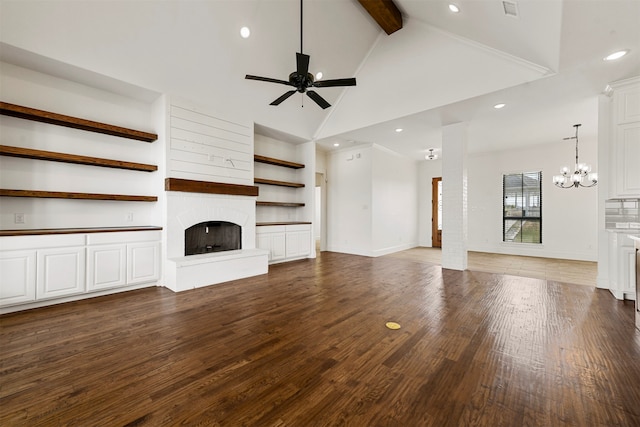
<point x="212" y="236"/>
<point x="215" y="259"/>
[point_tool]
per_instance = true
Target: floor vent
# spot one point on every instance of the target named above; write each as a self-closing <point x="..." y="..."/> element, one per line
<point x="510" y="8"/>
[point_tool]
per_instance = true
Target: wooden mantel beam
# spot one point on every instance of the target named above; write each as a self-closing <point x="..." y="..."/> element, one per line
<point x="385" y="13"/>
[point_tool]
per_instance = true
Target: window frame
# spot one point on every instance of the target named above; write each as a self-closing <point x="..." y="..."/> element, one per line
<point x="523" y="216"/>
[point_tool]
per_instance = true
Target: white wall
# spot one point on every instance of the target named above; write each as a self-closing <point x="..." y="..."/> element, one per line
<point x="372" y="201"/>
<point x="37" y="90"/>
<point x="569" y="217"/>
<point x="394" y="202"/>
<point x="349" y="196"/>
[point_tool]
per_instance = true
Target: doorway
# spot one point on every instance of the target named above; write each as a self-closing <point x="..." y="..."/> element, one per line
<point x="320" y="215"/>
<point x="436" y="212"/>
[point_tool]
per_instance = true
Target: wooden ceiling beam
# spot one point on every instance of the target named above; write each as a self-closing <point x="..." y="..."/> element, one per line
<point x="385" y="13"/>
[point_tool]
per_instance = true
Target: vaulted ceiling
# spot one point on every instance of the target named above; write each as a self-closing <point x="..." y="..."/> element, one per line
<point x="440" y="68"/>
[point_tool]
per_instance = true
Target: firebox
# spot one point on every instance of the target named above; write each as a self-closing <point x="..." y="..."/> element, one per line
<point x="212" y="236"/>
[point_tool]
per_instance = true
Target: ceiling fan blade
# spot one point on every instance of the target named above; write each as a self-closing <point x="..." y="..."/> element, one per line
<point x="336" y="82"/>
<point x="302" y="62"/>
<point x="318" y="99"/>
<point x="283" y="97"/>
<point x="267" y="79"/>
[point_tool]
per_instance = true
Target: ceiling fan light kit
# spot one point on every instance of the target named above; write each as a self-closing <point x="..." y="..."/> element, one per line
<point x="302" y="80"/>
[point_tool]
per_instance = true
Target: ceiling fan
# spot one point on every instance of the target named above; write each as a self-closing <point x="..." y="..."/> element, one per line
<point x="302" y="79"/>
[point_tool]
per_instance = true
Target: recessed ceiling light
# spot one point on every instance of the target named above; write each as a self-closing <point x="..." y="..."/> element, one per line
<point x="245" y="32"/>
<point x="499" y="106"/>
<point x="318" y="75"/>
<point x="399" y="130"/>
<point x="335" y="144"/>
<point x="453" y="8"/>
<point x="616" y="55"/>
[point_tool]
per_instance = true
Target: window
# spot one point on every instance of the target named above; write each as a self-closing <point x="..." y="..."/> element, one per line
<point x="522" y="207"/>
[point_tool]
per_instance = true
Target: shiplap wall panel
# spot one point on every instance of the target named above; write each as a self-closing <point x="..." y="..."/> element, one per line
<point x="208" y="148"/>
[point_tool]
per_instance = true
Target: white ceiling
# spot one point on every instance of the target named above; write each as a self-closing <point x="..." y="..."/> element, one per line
<point x="441" y="68"/>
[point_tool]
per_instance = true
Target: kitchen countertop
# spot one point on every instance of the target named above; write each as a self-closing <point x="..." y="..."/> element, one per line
<point x="624" y="230"/>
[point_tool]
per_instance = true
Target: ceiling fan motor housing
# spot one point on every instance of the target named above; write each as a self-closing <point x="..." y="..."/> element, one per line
<point x="301" y="82"/>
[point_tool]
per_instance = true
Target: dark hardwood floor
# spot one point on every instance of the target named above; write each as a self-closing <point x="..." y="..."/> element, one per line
<point x="306" y="345"/>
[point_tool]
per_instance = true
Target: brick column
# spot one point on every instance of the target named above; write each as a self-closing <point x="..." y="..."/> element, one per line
<point x="454" y="196"/>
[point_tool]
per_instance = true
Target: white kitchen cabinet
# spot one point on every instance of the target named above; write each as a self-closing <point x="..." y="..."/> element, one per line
<point x="143" y="262"/>
<point x="106" y="266"/>
<point x="60" y="272"/>
<point x="622" y="279"/>
<point x="625" y="139"/>
<point x="17" y="277"/>
<point x="626" y="148"/>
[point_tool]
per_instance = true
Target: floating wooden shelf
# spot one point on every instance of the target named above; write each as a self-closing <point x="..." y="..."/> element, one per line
<point x="74" y="122"/>
<point x="28" y="153"/>
<point x="266" y="224"/>
<point x="191" y="186"/>
<point x="283" y="204"/>
<point x="45" y="231"/>
<point x="83" y="196"/>
<point x="277" y="162"/>
<point x="279" y="183"/>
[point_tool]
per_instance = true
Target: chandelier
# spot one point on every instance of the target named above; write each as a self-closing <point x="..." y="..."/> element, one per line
<point x="431" y="155"/>
<point x="581" y="175"/>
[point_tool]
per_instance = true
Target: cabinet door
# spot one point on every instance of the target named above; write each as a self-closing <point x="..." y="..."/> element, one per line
<point x="298" y="243"/>
<point x="17" y="277"/>
<point x="106" y="267"/>
<point x="627" y="153"/>
<point x="278" y="246"/>
<point x="628" y="272"/>
<point x="304" y="243"/>
<point x="143" y="262"/>
<point x="61" y="272"/>
<point x="263" y="241"/>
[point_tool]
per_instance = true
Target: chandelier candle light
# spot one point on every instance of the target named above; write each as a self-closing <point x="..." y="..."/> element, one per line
<point x="581" y="176"/>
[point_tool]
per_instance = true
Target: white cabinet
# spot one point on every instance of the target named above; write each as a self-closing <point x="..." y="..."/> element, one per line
<point x="106" y="266"/>
<point x="44" y="267"/>
<point x="17" y="277"/>
<point x="622" y="276"/>
<point x="60" y="272"/>
<point x="298" y="241"/>
<point x="625" y="139"/>
<point x="285" y="242"/>
<point x="143" y="262"/>
<point x="273" y="240"/>
<point x="122" y="259"/>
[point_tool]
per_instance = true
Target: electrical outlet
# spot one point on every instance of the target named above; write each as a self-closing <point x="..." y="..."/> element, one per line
<point x="129" y="217"/>
<point x="18" y="218"/>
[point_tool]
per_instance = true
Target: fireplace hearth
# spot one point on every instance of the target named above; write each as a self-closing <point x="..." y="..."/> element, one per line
<point x="212" y="236"/>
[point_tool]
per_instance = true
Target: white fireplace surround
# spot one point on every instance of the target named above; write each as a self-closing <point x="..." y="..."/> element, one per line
<point x="189" y="272"/>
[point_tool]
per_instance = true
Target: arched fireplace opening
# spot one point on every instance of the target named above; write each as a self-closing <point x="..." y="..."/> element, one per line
<point x="212" y="236"/>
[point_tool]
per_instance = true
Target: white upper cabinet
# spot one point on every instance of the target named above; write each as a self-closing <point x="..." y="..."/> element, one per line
<point x="625" y="138"/>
